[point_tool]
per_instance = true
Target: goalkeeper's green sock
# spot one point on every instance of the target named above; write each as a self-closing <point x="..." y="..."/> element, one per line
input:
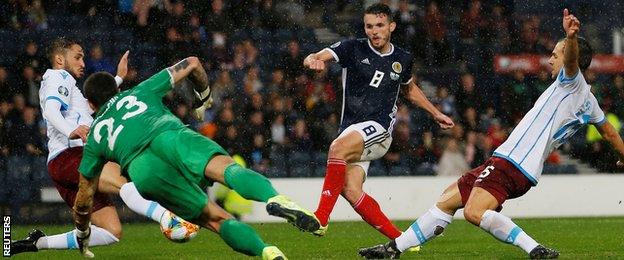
<point x="241" y="237"/>
<point x="249" y="184"/>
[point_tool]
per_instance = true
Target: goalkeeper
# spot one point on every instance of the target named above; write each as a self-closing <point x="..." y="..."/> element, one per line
<point x="170" y="163"/>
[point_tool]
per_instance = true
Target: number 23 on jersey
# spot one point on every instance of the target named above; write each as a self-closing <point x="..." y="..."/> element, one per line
<point x="134" y="107"/>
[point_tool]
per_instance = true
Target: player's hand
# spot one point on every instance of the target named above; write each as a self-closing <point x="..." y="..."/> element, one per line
<point x="81" y="132"/>
<point x="620" y="164"/>
<point x="314" y="64"/>
<point x="444" y="121"/>
<point x="202" y="102"/>
<point x="571" y="25"/>
<point x="83" y="242"/>
<point x="122" y="67"/>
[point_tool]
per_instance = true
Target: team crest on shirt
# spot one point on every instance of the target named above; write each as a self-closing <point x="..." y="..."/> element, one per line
<point x="335" y="45"/>
<point x="63" y="91"/>
<point x="397" y="67"/>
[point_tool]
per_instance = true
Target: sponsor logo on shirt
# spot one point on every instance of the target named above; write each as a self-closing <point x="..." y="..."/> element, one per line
<point x="63" y="91"/>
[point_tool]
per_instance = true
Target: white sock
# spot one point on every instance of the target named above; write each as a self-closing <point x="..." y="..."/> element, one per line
<point x="426" y="227"/>
<point x="131" y="197"/>
<point x="99" y="237"/>
<point x="502" y="228"/>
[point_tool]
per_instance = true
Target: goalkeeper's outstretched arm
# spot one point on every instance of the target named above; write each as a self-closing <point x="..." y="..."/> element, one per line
<point x="191" y="69"/>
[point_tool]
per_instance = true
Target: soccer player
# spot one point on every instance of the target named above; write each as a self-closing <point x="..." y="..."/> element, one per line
<point x="169" y="163"/>
<point x="516" y="165"/>
<point x="373" y="71"/>
<point x="68" y="117"/>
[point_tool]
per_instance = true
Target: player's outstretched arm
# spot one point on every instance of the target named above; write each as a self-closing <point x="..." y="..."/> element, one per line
<point x="82" y="213"/>
<point x="416" y="96"/>
<point x="316" y="61"/>
<point x="571" y="26"/>
<point x="192" y="69"/>
<point x="122" y="69"/>
<point x="610" y="135"/>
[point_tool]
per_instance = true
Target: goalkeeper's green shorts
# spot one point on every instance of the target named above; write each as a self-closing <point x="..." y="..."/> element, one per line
<point x="170" y="171"/>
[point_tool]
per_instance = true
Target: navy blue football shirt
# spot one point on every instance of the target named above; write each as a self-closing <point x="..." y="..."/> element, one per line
<point x="370" y="81"/>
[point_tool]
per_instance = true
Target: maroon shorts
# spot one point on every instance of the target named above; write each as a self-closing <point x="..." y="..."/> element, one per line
<point x="64" y="172"/>
<point x="497" y="176"/>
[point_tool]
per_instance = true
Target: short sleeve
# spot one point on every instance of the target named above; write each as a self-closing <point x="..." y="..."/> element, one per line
<point x="574" y="80"/>
<point x="597" y="116"/>
<point x="341" y="51"/>
<point x="407" y="76"/>
<point x="92" y="163"/>
<point x="53" y="88"/>
<point x="159" y="84"/>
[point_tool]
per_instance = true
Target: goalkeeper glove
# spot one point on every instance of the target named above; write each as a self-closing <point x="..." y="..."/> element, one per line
<point x="202" y="102"/>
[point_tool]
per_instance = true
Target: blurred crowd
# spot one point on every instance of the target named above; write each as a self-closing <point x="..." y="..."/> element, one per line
<point x="278" y="117"/>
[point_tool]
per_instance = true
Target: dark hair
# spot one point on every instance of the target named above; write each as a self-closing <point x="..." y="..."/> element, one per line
<point x="585" y="53"/>
<point x="59" y="46"/>
<point x="379" y="8"/>
<point x="99" y="88"/>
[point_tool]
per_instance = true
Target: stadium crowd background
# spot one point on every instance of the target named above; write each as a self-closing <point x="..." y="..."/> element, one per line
<point x="281" y="118"/>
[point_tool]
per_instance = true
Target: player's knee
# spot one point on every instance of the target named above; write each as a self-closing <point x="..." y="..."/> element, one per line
<point x="341" y="150"/>
<point x="473" y="214"/>
<point x="115" y="231"/>
<point x="336" y="150"/>
<point x="446" y="207"/>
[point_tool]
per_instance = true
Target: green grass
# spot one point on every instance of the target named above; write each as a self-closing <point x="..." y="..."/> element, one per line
<point x="575" y="238"/>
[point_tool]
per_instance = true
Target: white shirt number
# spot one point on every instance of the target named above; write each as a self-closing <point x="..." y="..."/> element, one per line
<point x="486" y="172"/>
<point x="376" y="79"/>
<point x="130" y="102"/>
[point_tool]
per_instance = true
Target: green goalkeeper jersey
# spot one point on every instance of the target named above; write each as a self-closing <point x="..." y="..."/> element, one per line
<point x="127" y="123"/>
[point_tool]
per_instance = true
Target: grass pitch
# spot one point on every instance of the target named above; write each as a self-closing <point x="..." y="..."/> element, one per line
<point x="575" y="238"/>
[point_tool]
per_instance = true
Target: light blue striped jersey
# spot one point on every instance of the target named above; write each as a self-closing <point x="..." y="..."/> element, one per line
<point x="558" y="113"/>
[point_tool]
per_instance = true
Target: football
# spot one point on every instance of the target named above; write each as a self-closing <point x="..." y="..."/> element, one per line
<point x="177" y="229"/>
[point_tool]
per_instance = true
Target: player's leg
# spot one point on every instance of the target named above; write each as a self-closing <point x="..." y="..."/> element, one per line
<point x="216" y="217"/>
<point x="364" y="204"/>
<point x="480" y="211"/>
<point x="499" y="182"/>
<point x="346" y="148"/>
<point x="254" y="186"/>
<point x="180" y="192"/>
<point x="105" y="229"/>
<point x="433" y="222"/>
<point x="203" y="160"/>
<point x="112" y="182"/>
<point x="430" y="224"/>
<point x="238" y="235"/>
<point x="64" y="172"/>
<point x="248" y="183"/>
